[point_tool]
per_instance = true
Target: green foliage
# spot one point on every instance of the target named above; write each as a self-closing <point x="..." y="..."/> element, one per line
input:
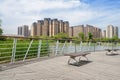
<point x="45" y="48"/>
<point x="115" y="38"/>
<point x="76" y="39"/>
<point x="90" y="36"/>
<point x="2" y="38"/>
<point x="21" y="49"/>
<point x="0" y="22"/>
<point x="1" y="31"/>
<point x="81" y="36"/>
<point x="61" y="36"/>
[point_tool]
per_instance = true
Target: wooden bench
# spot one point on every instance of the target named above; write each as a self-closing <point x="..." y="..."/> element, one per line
<point x="111" y="51"/>
<point x="78" y="54"/>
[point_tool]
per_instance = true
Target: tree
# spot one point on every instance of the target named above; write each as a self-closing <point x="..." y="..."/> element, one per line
<point x="90" y="36"/>
<point x="81" y="35"/>
<point x="61" y="35"/>
<point x="115" y="38"/>
<point x="1" y="31"/>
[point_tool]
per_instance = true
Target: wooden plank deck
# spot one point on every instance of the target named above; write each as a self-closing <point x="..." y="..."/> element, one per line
<point x="101" y="67"/>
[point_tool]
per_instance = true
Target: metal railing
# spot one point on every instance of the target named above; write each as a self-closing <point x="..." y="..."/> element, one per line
<point x="21" y="48"/>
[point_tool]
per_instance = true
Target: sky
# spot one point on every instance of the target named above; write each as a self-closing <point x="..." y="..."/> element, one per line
<point x="99" y="13"/>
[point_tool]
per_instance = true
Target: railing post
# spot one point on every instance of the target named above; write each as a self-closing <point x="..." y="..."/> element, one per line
<point x="70" y="47"/>
<point x="47" y="47"/>
<point x="28" y="50"/>
<point x="94" y="46"/>
<point x="81" y="46"/>
<point x="39" y="48"/>
<point x="13" y="51"/>
<point x="107" y="45"/>
<point x="56" y="48"/>
<point x="89" y="46"/>
<point x="63" y="47"/>
<point x="75" y="48"/>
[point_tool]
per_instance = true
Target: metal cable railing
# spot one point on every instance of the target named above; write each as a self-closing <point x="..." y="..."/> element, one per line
<point x="17" y="48"/>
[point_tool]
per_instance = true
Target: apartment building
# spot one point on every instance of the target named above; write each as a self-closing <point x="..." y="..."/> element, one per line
<point x="49" y="27"/>
<point x="23" y="30"/>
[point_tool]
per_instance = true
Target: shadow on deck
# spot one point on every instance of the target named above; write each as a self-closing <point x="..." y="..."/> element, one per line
<point x="80" y="63"/>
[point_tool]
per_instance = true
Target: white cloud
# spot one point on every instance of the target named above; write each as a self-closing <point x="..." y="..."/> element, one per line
<point x="27" y="6"/>
<point x="19" y="12"/>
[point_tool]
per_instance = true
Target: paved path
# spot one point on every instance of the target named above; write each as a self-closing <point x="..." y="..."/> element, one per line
<point x="101" y="67"/>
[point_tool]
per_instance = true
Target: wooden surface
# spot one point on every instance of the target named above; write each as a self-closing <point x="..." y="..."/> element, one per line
<point x="100" y="67"/>
<point x="77" y="54"/>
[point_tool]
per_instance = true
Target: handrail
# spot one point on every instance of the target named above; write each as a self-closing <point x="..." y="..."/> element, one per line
<point x="35" y="38"/>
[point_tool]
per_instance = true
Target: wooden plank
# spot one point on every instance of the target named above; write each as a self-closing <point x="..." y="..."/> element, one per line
<point x="101" y="67"/>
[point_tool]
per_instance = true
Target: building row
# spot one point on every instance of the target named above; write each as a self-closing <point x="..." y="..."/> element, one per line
<point x="49" y="27"/>
<point x="75" y="30"/>
<point x="110" y="31"/>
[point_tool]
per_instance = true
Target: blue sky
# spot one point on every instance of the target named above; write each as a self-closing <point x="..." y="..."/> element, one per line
<point x="99" y="13"/>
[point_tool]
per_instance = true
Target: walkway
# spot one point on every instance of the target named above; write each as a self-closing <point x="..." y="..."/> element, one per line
<point x="101" y="67"/>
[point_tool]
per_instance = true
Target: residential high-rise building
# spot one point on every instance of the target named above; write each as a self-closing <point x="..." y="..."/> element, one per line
<point x="23" y="30"/>
<point x="70" y="31"/>
<point x="60" y="29"/>
<point x="104" y="34"/>
<point x="75" y="30"/>
<point x="39" y="27"/>
<point x="116" y="31"/>
<point x="55" y="26"/>
<point x="49" y="27"/>
<point x="66" y="27"/>
<point x="34" y="29"/>
<point x="45" y="28"/>
<point x="110" y="31"/>
<point x="88" y="28"/>
<point x="20" y="30"/>
<point x="97" y="32"/>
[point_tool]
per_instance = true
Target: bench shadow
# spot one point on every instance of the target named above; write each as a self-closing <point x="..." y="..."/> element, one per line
<point x="115" y="54"/>
<point x="80" y="63"/>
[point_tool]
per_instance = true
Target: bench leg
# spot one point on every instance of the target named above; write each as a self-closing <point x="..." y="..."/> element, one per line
<point x="106" y="52"/>
<point x="79" y="59"/>
<point x="73" y="59"/>
<point x="69" y="60"/>
<point x="84" y="57"/>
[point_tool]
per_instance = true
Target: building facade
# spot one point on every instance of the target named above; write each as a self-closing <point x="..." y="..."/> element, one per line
<point x="20" y="30"/>
<point x="49" y="27"/>
<point x="111" y="31"/>
<point x="34" y="29"/>
<point x="104" y="34"/>
<point x="39" y="27"/>
<point x="23" y="30"/>
<point x="75" y="30"/>
<point x="116" y="31"/>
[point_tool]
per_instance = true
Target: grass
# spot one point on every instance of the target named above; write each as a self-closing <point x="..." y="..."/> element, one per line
<point x="6" y="48"/>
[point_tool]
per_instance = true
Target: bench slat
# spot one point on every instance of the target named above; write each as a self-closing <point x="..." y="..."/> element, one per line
<point x="77" y="54"/>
